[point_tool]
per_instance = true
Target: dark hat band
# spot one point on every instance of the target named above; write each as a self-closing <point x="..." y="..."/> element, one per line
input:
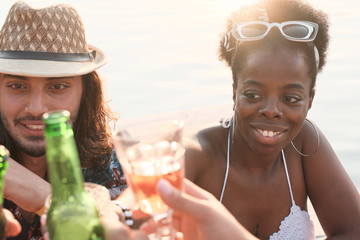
<point x="62" y="57"/>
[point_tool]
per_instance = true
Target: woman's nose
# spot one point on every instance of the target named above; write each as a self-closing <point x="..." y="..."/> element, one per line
<point x="271" y="109"/>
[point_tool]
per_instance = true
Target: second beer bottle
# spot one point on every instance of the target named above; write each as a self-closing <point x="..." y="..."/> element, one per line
<point x="4" y="154"/>
<point x="72" y="213"/>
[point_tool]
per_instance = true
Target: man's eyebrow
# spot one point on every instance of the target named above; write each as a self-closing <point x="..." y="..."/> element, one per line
<point x="58" y="78"/>
<point x="26" y="78"/>
<point x="15" y="76"/>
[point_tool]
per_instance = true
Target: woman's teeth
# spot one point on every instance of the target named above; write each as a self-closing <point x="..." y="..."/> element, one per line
<point x="267" y="133"/>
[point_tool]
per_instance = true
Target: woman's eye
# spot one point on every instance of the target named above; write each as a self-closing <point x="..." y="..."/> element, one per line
<point x="252" y="96"/>
<point x="291" y="99"/>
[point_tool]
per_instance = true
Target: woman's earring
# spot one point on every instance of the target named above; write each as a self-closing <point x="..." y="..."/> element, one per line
<point x="226" y="123"/>
<point x="234" y="124"/>
<point x="318" y="142"/>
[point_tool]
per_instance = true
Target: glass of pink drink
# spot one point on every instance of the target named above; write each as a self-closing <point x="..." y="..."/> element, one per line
<point x="149" y="151"/>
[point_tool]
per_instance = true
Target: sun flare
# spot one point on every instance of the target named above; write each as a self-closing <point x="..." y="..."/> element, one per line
<point x="238" y="3"/>
<point x="232" y="5"/>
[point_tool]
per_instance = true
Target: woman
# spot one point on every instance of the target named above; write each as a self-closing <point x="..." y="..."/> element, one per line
<point x="265" y="161"/>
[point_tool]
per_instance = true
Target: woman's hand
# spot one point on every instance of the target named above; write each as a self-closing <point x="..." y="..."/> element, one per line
<point x="13" y="227"/>
<point x="198" y="214"/>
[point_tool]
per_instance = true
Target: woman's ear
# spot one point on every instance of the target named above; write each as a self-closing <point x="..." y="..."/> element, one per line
<point x="311" y="98"/>
<point x="234" y="99"/>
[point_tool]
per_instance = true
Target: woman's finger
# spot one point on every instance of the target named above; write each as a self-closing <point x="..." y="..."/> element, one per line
<point x="13" y="227"/>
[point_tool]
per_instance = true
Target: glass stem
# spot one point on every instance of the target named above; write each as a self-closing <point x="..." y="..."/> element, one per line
<point x="164" y="230"/>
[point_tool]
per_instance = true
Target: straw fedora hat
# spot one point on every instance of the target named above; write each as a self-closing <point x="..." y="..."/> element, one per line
<point x="46" y="42"/>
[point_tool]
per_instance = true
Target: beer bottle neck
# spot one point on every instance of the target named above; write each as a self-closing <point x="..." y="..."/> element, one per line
<point x="3" y="166"/>
<point x="2" y="181"/>
<point x="63" y="161"/>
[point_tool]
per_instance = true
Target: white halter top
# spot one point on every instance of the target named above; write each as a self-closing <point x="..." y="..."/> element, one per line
<point x="297" y="225"/>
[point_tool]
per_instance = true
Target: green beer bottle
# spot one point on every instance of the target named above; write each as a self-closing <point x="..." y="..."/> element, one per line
<point x="4" y="154"/>
<point x="72" y="214"/>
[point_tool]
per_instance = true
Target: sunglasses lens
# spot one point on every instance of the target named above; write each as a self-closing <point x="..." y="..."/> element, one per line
<point x="296" y="31"/>
<point x="301" y="31"/>
<point x="253" y="30"/>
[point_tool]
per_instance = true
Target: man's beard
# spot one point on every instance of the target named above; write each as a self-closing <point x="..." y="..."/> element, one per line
<point x="29" y="149"/>
<point x="34" y="150"/>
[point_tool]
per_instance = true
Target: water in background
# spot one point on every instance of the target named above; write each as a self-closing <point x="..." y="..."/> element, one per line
<point x="162" y="58"/>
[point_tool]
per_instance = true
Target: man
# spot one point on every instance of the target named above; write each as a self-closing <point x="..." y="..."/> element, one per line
<point x="46" y="64"/>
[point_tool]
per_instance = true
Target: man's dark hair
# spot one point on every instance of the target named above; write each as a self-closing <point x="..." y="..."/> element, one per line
<point x="91" y="128"/>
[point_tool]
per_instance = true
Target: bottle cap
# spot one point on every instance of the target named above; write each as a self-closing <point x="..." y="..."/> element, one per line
<point x="57" y="116"/>
<point x="4" y="154"/>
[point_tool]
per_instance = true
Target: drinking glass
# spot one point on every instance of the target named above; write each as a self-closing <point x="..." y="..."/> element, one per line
<point x="149" y="151"/>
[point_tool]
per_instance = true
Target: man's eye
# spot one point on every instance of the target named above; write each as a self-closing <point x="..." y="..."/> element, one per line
<point x="16" y="86"/>
<point x="58" y="86"/>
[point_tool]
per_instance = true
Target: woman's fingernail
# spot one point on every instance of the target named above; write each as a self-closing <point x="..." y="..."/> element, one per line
<point x="164" y="187"/>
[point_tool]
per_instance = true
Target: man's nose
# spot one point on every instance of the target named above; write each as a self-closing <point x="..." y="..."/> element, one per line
<point x="37" y="104"/>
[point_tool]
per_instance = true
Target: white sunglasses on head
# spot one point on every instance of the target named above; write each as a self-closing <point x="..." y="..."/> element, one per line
<point x="299" y="31"/>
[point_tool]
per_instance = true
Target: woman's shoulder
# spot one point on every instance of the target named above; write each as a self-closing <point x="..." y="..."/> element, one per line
<point x="203" y="149"/>
<point x="327" y="183"/>
<point x="211" y="139"/>
<point x="308" y="140"/>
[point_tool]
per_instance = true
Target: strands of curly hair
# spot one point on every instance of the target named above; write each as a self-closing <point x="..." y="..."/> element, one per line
<point x="279" y="11"/>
